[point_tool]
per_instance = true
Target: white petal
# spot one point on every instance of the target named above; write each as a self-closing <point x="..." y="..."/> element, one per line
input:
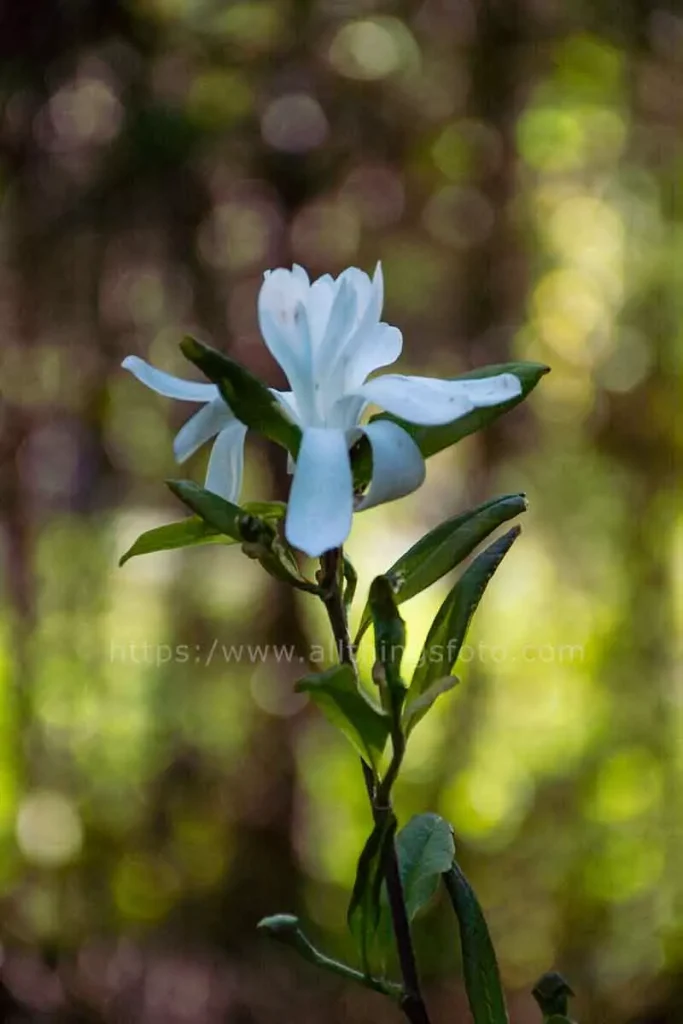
<point x="283" y="322"/>
<point x="168" y="385"/>
<point x="287" y="400"/>
<point x="398" y="467"/>
<point x="340" y="324"/>
<point x="428" y="401"/>
<point x="201" y="427"/>
<point x="224" y="472"/>
<point x="321" y="499"/>
<point x="318" y="306"/>
<point x="381" y="346"/>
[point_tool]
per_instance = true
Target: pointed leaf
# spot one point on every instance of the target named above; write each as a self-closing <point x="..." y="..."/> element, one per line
<point x="416" y="709"/>
<point x="425" y="849"/>
<point x="431" y="440"/>
<point x="480" y="967"/>
<point x="449" y="628"/>
<point x="250" y="400"/>
<point x="220" y="514"/>
<point x="171" y="536"/>
<point x="444" y="547"/>
<point x="258" y="536"/>
<point x="390" y="642"/>
<point x="339" y="697"/>
<point x="365" y="906"/>
<point x="271" y="511"/>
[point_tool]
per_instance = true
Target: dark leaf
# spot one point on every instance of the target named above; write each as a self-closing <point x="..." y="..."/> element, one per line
<point x="444" y="547"/>
<point x="480" y="966"/>
<point x="350" y="709"/>
<point x="250" y="400"/>
<point x="448" y="631"/>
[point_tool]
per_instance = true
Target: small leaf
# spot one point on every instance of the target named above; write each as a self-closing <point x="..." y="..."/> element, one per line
<point x="250" y="400"/>
<point x="390" y="642"/>
<point x="416" y="709"/>
<point x="425" y="849"/>
<point x="342" y="701"/>
<point x="261" y="541"/>
<point x="187" y="533"/>
<point x="431" y="440"/>
<point x="480" y="967"/>
<point x="271" y="511"/>
<point x="220" y="514"/>
<point x="258" y="536"/>
<point x="444" y="547"/>
<point x="365" y="907"/>
<point x="449" y="628"/>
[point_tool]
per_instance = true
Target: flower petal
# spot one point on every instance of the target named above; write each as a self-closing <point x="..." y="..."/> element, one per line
<point x="427" y="401"/>
<point x="381" y="346"/>
<point x="168" y="385"/>
<point x="201" y="427"/>
<point x="321" y="499"/>
<point x="398" y="467"/>
<point x="224" y="472"/>
<point x="284" y="325"/>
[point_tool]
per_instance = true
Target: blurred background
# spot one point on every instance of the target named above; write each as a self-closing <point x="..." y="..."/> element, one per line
<point x="517" y="167"/>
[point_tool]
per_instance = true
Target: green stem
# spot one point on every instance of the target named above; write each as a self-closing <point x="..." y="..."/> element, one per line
<point x="379" y="793"/>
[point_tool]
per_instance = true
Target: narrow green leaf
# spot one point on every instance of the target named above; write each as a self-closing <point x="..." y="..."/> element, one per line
<point x="449" y="628"/>
<point x="350" y="709"/>
<point x="186" y="533"/>
<point x="480" y="966"/>
<point x="220" y="514"/>
<point x="416" y="709"/>
<point x="365" y="906"/>
<point x="390" y="642"/>
<point x="444" y="547"/>
<point x="271" y="511"/>
<point x="261" y="541"/>
<point x="250" y="400"/>
<point x="258" y="536"/>
<point x="431" y="440"/>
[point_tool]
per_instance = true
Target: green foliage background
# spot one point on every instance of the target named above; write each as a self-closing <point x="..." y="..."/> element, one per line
<point x="517" y="167"/>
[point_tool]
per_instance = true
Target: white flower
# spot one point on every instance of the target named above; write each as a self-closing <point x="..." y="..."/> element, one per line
<point x="328" y="337"/>
<point x="215" y="419"/>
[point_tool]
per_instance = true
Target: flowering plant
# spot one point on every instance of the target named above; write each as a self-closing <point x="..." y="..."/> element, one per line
<point x="329" y="340"/>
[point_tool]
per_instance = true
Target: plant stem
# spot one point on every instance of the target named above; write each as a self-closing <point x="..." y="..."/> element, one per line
<point x="412" y="1002"/>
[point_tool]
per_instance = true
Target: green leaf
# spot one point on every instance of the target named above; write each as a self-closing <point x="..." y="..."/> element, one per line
<point x="431" y="440"/>
<point x="250" y="400"/>
<point x="390" y="642"/>
<point x="258" y="536"/>
<point x="480" y="967"/>
<point x="271" y="511"/>
<point x="425" y="850"/>
<point x="416" y="709"/>
<point x="445" y="547"/>
<point x="187" y="533"/>
<point x="342" y="701"/>
<point x="365" y="906"/>
<point x="449" y="628"/>
<point x="220" y="514"/>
